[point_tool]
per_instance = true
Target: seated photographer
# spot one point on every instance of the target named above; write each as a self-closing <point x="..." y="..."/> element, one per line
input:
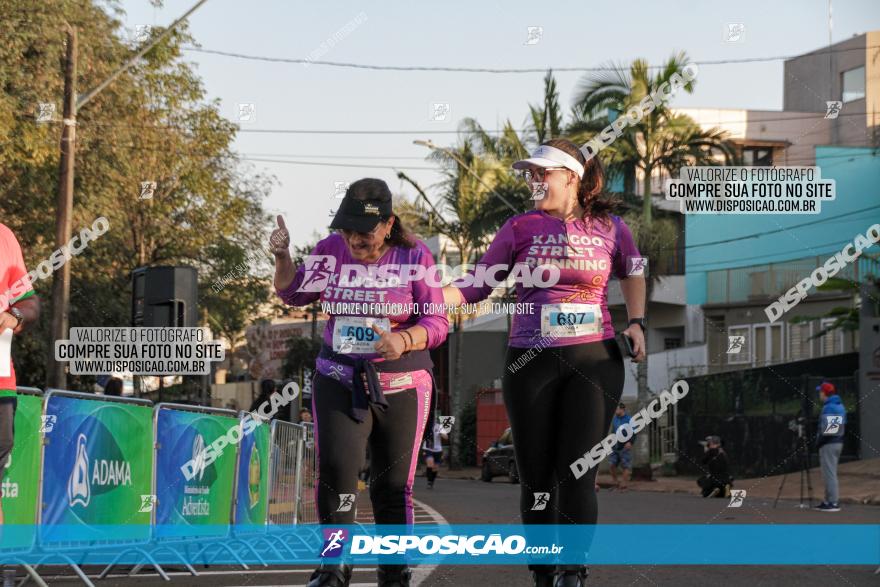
<point x="716" y="482"/>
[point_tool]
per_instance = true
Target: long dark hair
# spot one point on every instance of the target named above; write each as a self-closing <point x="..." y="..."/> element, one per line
<point x="376" y="190"/>
<point x="590" y="193"/>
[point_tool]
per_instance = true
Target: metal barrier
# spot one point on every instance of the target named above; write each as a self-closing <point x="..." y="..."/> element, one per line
<point x="293" y="474"/>
<point x="166" y="475"/>
<point x="8" y="553"/>
<point x="307" y="507"/>
<point x="60" y="546"/>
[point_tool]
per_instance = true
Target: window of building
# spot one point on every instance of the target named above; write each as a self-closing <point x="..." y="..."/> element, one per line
<point x="853" y="84"/>
<point x="800" y="346"/>
<point x="671" y="343"/>
<point x="739" y="337"/>
<point x="758" y="156"/>
<point x="768" y="344"/>
<point x="830" y="343"/>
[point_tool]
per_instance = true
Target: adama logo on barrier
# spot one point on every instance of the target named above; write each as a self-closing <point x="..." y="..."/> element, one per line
<point x="104" y="473"/>
<point x="203" y="456"/>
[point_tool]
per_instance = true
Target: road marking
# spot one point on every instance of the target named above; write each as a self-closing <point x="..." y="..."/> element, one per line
<point x="421" y="573"/>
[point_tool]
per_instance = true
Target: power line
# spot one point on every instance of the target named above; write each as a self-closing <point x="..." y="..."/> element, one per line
<point x="307" y="155"/>
<point x="484" y="69"/>
<point x="813" y="116"/>
<point x="764" y="257"/>
<point x="786" y="229"/>
<point x="323" y="164"/>
<point x="787" y="161"/>
<point x="792" y="161"/>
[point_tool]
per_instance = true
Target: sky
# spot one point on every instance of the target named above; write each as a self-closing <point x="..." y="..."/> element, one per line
<point x="489" y="34"/>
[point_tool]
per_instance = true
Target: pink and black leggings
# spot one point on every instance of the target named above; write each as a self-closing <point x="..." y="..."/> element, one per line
<point x="393" y="436"/>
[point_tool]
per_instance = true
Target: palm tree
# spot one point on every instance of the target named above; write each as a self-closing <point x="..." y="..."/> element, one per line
<point x="661" y="141"/>
<point x="546" y="120"/>
<point x="469" y="210"/>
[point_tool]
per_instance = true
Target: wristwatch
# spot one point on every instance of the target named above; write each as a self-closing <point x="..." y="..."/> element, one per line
<point x="18" y="315"/>
<point x="640" y="321"/>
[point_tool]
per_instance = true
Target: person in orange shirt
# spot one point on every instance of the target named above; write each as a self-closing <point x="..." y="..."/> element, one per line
<point x="20" y="308"/>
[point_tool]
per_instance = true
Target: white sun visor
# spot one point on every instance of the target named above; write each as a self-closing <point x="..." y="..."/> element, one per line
<point x="547" y="156"/>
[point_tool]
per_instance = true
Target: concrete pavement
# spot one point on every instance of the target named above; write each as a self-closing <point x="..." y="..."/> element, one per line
<point x="859" y="483"/>
<point x="475" y="502"/>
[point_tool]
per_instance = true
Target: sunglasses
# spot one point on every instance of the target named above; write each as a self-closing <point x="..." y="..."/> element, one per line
<point x="539" y="173"/>
<point x="365" y="235"/>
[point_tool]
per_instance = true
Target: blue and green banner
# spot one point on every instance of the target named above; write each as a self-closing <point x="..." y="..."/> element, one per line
<point x="20" y="479"/>
<point x="97" y="469"/>
<point x="252" y="489"/>
<point x="194" y="481"/>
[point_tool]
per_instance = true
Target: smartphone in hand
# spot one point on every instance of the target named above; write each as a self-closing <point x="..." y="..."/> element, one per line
<point x="626" y="345"/>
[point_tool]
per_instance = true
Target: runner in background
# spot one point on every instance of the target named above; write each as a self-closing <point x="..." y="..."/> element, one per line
<point x="20" y="308"/>
<point x="432" y="452"/>
<point x="621" y="452"/>
<point x="373" y="382"/>
<point x="561" y="400"/>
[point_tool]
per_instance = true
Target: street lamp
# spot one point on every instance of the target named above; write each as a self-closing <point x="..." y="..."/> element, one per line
<point x="452" y="154"/>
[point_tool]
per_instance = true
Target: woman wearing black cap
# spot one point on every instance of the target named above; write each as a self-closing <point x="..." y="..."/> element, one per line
<point x="373" y="383"/>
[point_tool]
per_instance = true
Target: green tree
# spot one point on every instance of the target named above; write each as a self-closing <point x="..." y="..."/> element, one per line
<point x="474" y="193"/>
<point x="662" y="141"/>
<point x="301" y="354"/>
<point x="154" y="123"/>
<point x="846" y="318"/>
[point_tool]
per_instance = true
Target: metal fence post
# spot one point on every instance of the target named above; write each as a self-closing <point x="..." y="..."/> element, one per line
<point x="298" y="476"/>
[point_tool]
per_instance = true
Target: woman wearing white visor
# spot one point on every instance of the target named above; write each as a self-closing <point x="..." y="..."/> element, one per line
<point x="561" y="396"/>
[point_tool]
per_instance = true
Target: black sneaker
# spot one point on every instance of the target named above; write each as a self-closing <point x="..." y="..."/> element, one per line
<point x="543" y="575"/>
<point x="543" y="579"/>
<point x="827" y="507"/>
<point x="394" y="575"/>
<point x="331" y="576"/>
<point x="573" y="578"/>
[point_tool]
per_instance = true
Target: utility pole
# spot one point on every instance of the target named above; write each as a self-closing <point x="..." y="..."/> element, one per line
<point x="64" y="204"/>
<point x="64" y="209"/>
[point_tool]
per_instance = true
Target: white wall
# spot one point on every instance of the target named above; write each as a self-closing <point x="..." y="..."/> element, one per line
<point x="666" y="367"/>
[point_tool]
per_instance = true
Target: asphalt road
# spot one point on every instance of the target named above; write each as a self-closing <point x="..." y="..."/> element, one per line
<point x="474" y="502"/>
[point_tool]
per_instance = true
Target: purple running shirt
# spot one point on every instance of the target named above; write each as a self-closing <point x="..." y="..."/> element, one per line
<point x="575" y="309"/>
<point x="329" y="275"/>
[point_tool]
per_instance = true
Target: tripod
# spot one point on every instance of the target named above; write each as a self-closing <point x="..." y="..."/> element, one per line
<point x="802" y="457"/>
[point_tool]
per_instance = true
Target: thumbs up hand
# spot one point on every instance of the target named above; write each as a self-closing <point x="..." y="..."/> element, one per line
<point x="279" y="241"/>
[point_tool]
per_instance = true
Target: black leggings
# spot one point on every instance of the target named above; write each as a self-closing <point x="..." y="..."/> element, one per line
<point x="393" y="436"/>
<point x="560" y="404"/>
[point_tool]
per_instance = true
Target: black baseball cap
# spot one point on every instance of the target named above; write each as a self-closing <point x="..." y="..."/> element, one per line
<point x="369" y="208"/>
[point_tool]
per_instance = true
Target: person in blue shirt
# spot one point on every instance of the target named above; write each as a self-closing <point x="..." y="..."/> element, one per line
<point x="621" y="453"/>
<point x="829" y="441"/>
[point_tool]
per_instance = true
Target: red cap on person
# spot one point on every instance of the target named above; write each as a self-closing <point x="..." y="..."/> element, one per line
<point x="827" y="388"/>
